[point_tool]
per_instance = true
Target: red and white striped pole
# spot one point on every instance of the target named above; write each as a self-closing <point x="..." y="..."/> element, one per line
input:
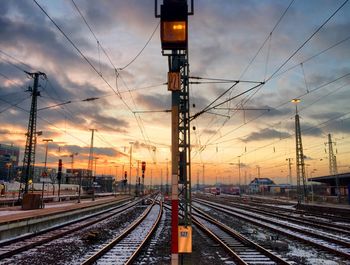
<point x="175" y="97"/>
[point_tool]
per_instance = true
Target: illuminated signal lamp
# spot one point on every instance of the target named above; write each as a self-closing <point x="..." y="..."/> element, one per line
<point x="173" y="25"/>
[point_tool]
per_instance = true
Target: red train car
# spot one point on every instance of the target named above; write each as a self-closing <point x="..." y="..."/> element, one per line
<point x="213" y="190"/>
<point x="233" y="190"/>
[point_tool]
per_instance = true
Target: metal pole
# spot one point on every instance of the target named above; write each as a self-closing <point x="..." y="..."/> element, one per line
<point x="137" y="179"/>
<point x="239" y="171"/>
<point x="131" y="143"/>
<point x="29" y="153"/>
<point x="167" y="178"/>
<point x="175" y="156"/>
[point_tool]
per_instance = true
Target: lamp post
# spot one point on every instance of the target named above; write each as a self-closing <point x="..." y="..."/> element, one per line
<point x="312" y="186"/>
<point x="300" y="166"/>
<point x="8" y="165"/>
<point x="239" y="171"/>
<point x="46" y="149"/>
<point x="137" y="179"/>
<point x="72" y="172"/>
<point x="131" y="144"/>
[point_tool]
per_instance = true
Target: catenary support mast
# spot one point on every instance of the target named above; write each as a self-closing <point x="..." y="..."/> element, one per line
<point x="300" y="165"/>
<point x="29" y="152"/>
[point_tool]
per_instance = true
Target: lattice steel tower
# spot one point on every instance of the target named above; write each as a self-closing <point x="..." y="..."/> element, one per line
<point x="29" y="152"/>
<point x="333" y="169"/>
<point x="300" y="165"/>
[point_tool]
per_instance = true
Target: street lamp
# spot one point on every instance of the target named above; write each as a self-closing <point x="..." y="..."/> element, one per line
<point x="312" y="186"/>
<point x="131" y="144"/>
<point x="47" y="146"/>
<point x="8" y="165"/>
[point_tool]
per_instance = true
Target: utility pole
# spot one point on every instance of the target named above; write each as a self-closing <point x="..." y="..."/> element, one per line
<point x="333" y="169"/>
<point x="91" y="163"/>
<point x="91" y="154"/>
<point x="46" y="149"/>
<point x="137" y="179"/>
<point x="197" y="180"/>
<point x="203" y="178"/>
<point x="239" y="171"/>
<point x="131" y="143"/>
<point x="300" y="165"/>
<point x="29" y="153"/>
<point x="161" y="181"/>
<point x="167" y="178"/>
<point x="289" y="178"/>
<point x="143" y="169"/>
<point x="44" y="174"/>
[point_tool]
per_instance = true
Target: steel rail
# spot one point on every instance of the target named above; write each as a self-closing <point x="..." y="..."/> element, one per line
<point x="285" y="216"/>
<point x="148" y="236"/>
<point x="92" y="259"/>
<point x="286" y="233"/>
<point x="247" y="242"/>
<point x="18" y="245"/>
<point x="235" y="235"/>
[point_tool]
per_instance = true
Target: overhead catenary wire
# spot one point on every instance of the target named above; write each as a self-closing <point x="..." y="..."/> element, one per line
<point x="307" y="40"/>
<point x="263" y="44"/>
<point x="87" y="60"/>
<point x="75" y="47"/>
<point x="296" y="51"/>
<point x="139" y="53"/>
<point x="282" y="104"/>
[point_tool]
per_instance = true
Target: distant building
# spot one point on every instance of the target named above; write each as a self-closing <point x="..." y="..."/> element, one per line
<point x="104" y="183"/>
<point x="259" y="185"/>
<point x="9" y="156"/>
<point x="38" y="173"/>
<point x="73" y="177"/>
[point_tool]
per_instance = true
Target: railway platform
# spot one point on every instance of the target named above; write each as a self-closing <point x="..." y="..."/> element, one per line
<point x="16" y="222"/>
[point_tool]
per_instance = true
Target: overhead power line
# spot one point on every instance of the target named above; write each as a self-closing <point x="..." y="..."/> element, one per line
<point x="308" y="39"/>
<point x="144" y="47"/>
<point x="75" y="47"/>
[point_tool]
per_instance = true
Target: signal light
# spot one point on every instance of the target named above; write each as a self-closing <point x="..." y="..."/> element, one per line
<point x="143" y="166"/>
<point x="173" y="25"/>
<point x="59" y="171"/>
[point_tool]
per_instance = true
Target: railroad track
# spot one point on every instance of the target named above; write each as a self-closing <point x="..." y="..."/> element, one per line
<point x="342" y="230"/>
<point x="324" y="214"/>
<point x="125" y="247"/>
<point x="243" y="250"/>
<point x="20" y="244"/>
<point x="315" y="238"/>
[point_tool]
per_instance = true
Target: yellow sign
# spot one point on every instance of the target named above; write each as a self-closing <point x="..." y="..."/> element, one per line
<point x="185" y="239"/>
<point x="174" y="81"/>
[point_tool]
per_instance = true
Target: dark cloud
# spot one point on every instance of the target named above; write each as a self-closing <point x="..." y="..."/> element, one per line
<point x="155" y="101"/>
<point x="266" y="134"/>
<point x="308" y="129"/>
<point x="141" y="145"/>
<point x="209" y="131"/>
<point x="84" y="151"/>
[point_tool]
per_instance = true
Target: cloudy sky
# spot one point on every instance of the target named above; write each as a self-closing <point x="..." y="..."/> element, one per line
<point x="299" y="52"/>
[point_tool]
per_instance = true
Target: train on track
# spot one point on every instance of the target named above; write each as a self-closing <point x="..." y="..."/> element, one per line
<point x="212" y="190"/>
<point x="232" y="190"/>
